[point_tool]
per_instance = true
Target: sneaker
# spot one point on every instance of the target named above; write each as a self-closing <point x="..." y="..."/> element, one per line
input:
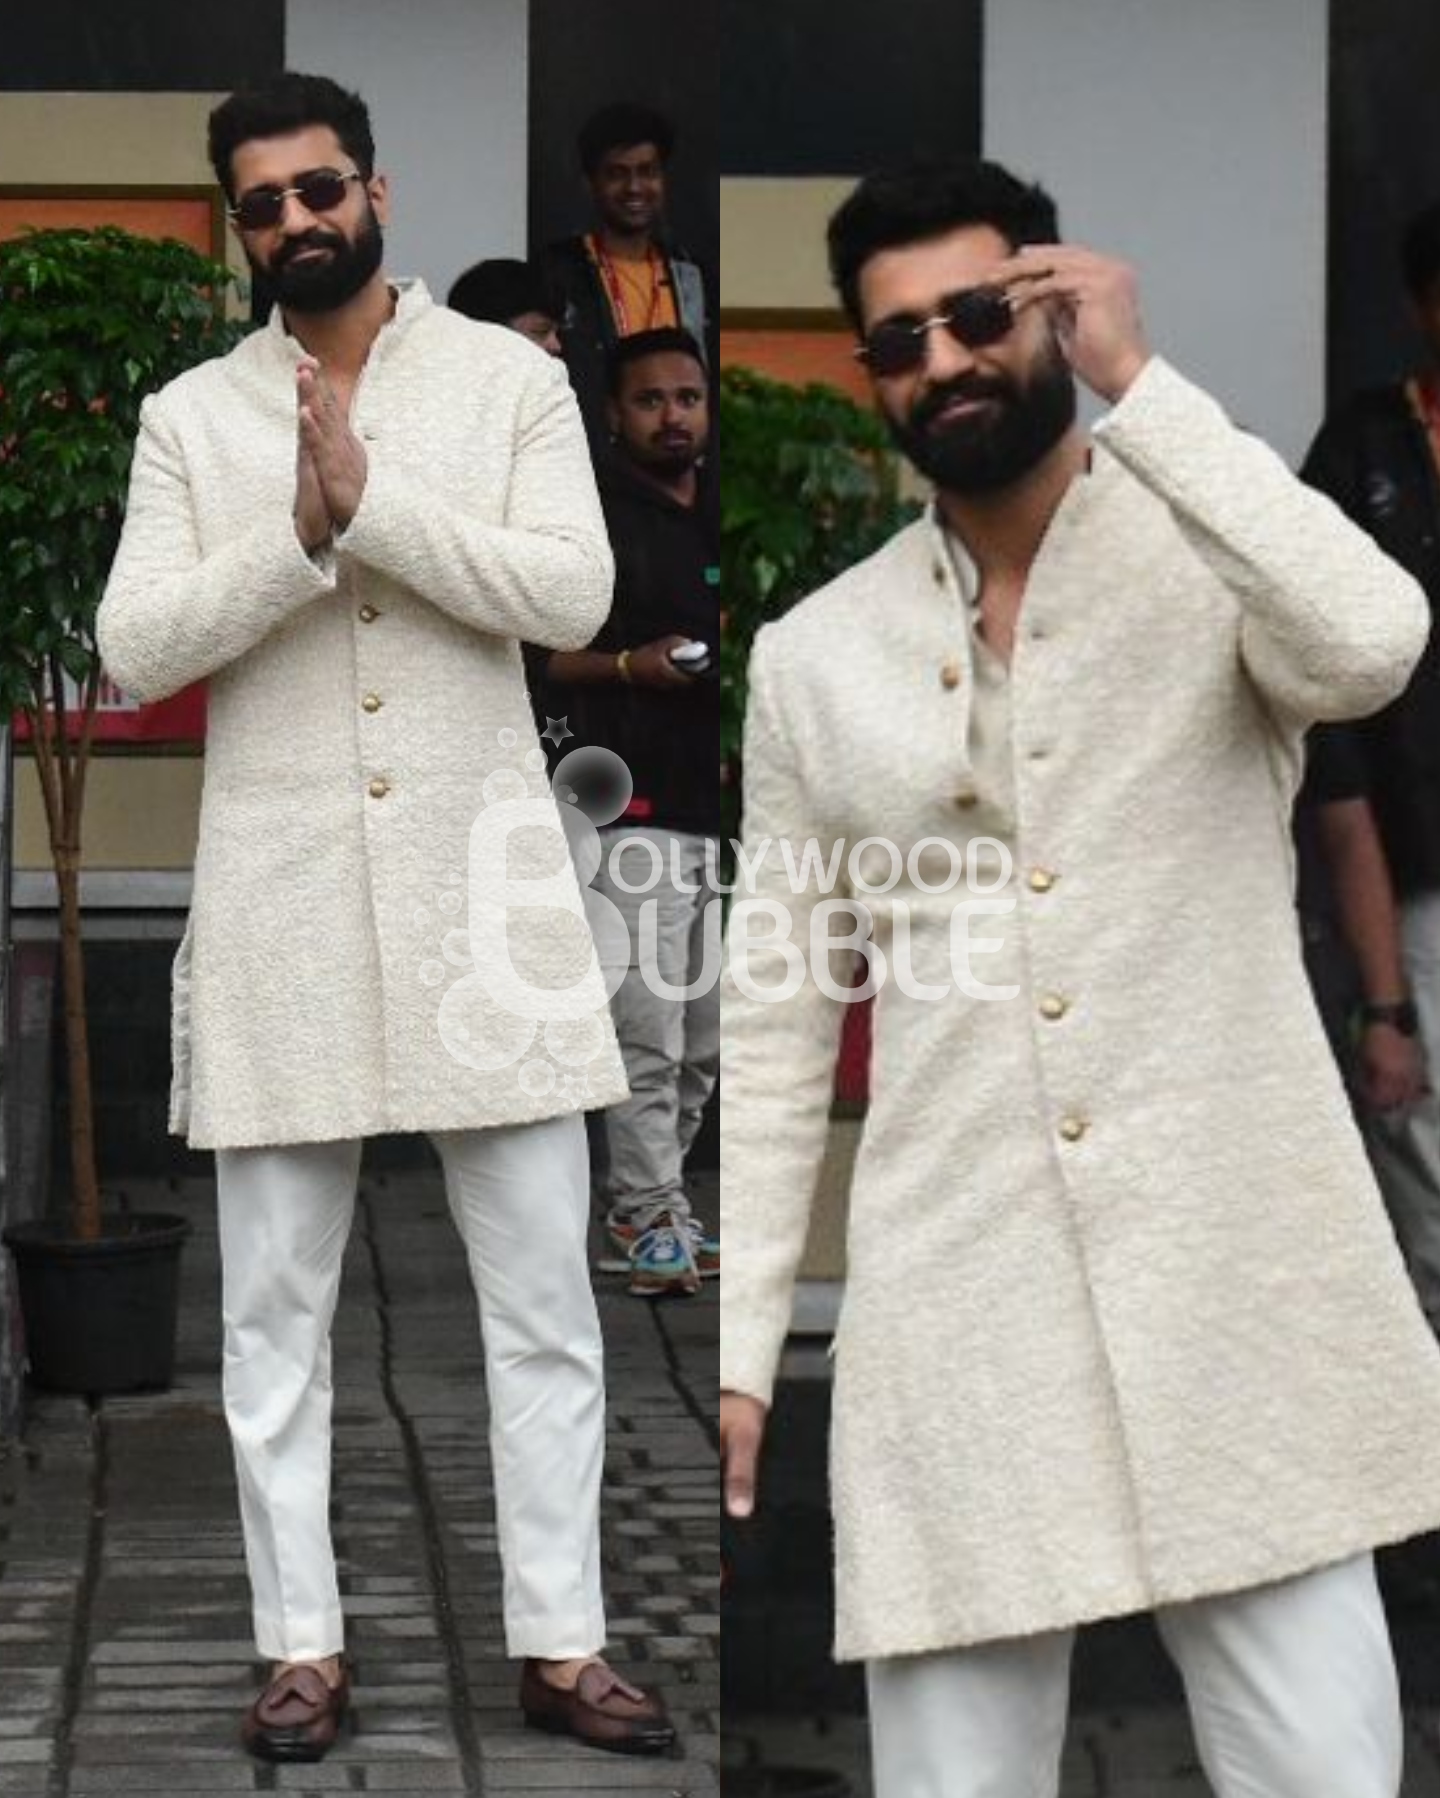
<point x="623" y="1231"/>
<point x="620" y="1234"/>
<point x="706" y="1249"/>
<point x="662" y="1260"/>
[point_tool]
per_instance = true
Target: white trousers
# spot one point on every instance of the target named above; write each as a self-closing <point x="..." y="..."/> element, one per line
<point x="520" y="1198"/>
<point x="1291" y="1688"/>
<point x="671" y="1046"/>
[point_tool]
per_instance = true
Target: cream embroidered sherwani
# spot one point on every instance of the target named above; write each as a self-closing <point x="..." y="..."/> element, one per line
<point x="1124" y="1321"/>
<point x="365" y="707"/>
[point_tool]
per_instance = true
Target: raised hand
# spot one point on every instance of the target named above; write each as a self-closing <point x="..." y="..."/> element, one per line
<point x="312" y="515"/>
<point x="337" y="453"/>
<point x="1094" y="305"/>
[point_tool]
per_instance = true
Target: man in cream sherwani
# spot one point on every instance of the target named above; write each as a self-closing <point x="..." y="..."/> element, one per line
<point x="1125" y="1328"/>
<point x="347" y="526"/>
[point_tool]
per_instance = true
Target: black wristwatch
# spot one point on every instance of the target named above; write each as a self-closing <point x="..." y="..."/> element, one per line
<point x="1400" y="1014"/>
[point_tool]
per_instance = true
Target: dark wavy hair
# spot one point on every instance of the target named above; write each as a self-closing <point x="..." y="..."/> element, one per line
<point x="918" y="200"/>
<point x="664" y="340"/>
<point x="284" y="103"/>
<point x="501" y="288"/>
<point x="620" y="127"/>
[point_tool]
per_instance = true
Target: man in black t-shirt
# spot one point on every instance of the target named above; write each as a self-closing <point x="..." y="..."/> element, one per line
<point x="1353" y="954"/>
<point x="647" y="689"/>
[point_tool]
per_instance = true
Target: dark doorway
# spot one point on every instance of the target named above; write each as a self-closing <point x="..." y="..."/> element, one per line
<point x="583" y="56"/>
<point x="1384" y="166"/>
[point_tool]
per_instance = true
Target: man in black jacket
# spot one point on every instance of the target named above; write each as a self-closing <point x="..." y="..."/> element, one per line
<point x="646" y="688"/>
<point x="1378" y="457"/>
<point x="624" y="276"/>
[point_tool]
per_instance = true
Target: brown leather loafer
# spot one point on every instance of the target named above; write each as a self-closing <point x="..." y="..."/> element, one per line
<point x="602" y="1710"/>
<point x="298" y="1715"/>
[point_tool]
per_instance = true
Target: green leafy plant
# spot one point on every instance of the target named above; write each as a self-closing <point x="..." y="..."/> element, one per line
<point x="90" y="322"/>
<point x="810" y="486"/>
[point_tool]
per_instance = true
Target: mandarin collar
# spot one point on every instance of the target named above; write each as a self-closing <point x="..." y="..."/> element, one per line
<point x="412" y="301"/>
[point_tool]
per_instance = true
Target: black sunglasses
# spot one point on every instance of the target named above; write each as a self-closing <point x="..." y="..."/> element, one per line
<point x="975" y="317"/>
<point x="319" y="190"/>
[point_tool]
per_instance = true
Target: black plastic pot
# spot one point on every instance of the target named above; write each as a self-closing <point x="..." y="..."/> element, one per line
<point x="100" y="1316"/>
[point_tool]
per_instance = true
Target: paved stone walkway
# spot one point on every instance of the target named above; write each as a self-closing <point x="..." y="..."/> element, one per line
<point x="1129" y="1736"/>
<point x="1129" y="1754"/>
<point x="125" y="1657"/>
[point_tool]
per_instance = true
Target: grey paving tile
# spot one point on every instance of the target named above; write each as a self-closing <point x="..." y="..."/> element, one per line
<point x="169" y="1664"/>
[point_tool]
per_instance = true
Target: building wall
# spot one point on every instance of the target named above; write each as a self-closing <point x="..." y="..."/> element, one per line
<point x="1385" y="166"/>
<point x="91" y="137"/>
<point x="142" y="810"/>
<point x="1190" y="139"/>
<point x="772" y="237"/>
<point x="449" y="105"/>
<point x="446" y="86"/>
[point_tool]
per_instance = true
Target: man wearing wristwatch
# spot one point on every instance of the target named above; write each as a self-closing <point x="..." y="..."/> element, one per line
<point x="646" y="689"/>
<point x="1400" y="1015"/>
<point x="1350" y="925"/>
<point x="1377" y="455"/>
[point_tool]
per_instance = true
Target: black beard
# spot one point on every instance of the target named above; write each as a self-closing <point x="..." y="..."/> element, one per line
<point x="993" y="449"/>
<point x="665" y="465"/>
<point x="327" y="284"/>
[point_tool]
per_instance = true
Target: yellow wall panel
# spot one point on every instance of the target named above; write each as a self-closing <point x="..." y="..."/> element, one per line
<point x="91" y="138"/>
<point x="140" y="812"/>
<point x="772" y="236"/>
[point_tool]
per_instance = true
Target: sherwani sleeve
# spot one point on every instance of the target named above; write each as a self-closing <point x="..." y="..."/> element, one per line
<point x="1329" y="626"/>
<point x="172" y="614"/>
<point x="777" y="1062"/>
<point x="543" y="574"/>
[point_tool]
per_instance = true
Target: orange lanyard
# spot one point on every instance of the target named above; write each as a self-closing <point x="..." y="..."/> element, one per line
<point x="615" y="287"/>
<point x="1423" y="393"/>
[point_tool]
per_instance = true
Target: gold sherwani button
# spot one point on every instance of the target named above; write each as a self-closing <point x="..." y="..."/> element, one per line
<point x="379" y="787"/>
<point x="372" y="702"/>
<point x="368" y="614"/>
<point x="1054" y="1006"/>
<point x="950" y="675"/>
<point x="937" y="573"/>
<point x="1041" y="880"/>
<point x="966" y="797"/>
<point x="1073" y="1128"/>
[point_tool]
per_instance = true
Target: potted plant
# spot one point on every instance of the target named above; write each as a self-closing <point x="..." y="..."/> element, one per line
<point x="91" y="321"/>
<point x="810" y="487"/>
